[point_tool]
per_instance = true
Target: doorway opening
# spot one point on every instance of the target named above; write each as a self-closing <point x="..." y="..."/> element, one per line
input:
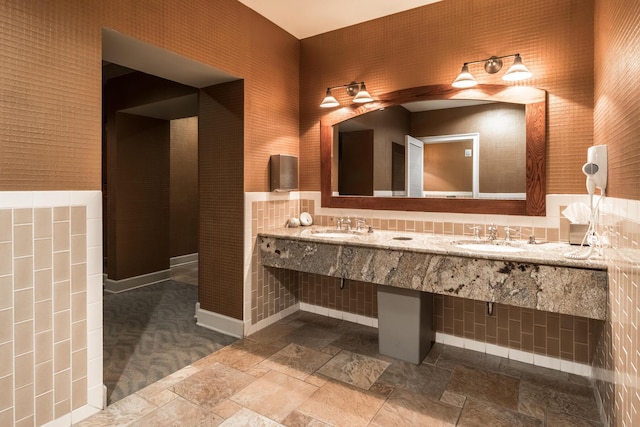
<point x="150" y="213"/>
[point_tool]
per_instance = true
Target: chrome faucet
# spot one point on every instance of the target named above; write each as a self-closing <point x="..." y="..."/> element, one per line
<point x="508" y="231"/>
<point x="493" y="231"/>
<point x="362" y="223"/>
<point x="476" y="231"/>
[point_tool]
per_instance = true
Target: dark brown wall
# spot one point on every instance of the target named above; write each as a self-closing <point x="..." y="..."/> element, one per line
<point x="125" y="160"/>
<point x="220" y="161"/>
<point x="138" y="211"/>
<point x="428" y="45"/>
<point x="183" y="188"/>
<point x="356" y="163"/>
<point x="502" y="130"/>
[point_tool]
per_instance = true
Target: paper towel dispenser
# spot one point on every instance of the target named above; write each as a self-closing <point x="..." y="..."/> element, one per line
<point x="284" y="172"/>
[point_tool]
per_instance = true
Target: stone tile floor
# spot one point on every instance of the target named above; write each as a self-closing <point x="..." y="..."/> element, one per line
<point x="309" y="370"/>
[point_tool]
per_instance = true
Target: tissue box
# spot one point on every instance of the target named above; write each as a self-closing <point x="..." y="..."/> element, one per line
<point x="576" y="233"/>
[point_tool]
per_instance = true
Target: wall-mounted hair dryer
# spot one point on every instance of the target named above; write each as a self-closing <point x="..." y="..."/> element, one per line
<point x="596" y="170"/>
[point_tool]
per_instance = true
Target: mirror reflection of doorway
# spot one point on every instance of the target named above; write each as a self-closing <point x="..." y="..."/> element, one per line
<point x="397" y="169"/>
<point x="356" y="157"/>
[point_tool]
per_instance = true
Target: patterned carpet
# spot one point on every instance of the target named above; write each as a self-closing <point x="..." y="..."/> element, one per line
<point x="150" y="333"/>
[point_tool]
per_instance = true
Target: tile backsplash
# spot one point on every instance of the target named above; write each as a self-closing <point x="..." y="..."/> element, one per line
<point x="617" y="357"/>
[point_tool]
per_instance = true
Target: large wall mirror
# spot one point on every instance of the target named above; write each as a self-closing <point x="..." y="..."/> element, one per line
<point x="438" y="149"/>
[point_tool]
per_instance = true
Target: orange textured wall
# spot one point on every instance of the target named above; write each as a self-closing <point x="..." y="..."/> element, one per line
<point x="617" y="93"/>
<point x="617" y="124"/>
<point x="428" y="45"/>
<point x="50" y="99"/>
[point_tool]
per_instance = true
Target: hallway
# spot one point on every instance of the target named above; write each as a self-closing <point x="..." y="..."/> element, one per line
<point x="150" y="332"/>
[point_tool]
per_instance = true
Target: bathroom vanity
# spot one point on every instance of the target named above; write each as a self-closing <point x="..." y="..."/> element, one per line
<point x="411" y="267"/>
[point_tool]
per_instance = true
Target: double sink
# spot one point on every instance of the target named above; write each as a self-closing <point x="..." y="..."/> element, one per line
<point x="481" y="245"/>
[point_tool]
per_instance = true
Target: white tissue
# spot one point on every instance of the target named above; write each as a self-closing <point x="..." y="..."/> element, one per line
<point x="577" y="213"/>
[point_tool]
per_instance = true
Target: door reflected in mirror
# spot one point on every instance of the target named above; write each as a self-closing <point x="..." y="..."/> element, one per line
<point x="439" y="149"/>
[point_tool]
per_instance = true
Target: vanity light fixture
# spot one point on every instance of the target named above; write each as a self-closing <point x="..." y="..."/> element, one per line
<point x="357" y="90"/>
<point x="492" y="65"/>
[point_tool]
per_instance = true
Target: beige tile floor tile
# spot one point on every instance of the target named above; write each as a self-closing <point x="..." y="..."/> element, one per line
<point x="297" y="361"/>
<point x="355" y="369"/>
<point x="557" y="419"/>
<point x="487" y="386"/>
<point x="340" y="404"/>
<point x="246" y="417"/>
<point x="274" y="335"/>
<point x="189" y="414"/>
<point x="162" y="398"/>
<point x="313" y="336"/>
<point x="450" y="357"/>
<point x="296" y="419"/>
<point x="160" y="386"/>
<point x="274" y="395"/>
<point x="227" y="408"/>
<point x="123" y="412"/>
<point x="453" y="398"/>
<point x="423" y="379"/>
<point x="241" y="355"/>
<point x="542" y="393"/>
<point x="406" y="409"/>
<point x="482" y="414"/>
<point x="212" y="385"/>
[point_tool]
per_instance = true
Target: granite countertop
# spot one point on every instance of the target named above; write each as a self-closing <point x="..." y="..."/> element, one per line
<point x="552" y="254"/>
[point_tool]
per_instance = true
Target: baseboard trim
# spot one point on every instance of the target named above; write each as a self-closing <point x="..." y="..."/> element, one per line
<point x="518" y="355"/>
<point x="454" y="341"/>
<point x="337" y="314"/>
<point x="116" y="286"/>
<point x="219" y="322"/>
<point x="74" y="417"/>
<point x="183" y="259"/>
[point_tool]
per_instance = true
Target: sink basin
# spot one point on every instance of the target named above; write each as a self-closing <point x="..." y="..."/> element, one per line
<point x="333" y="234"/>
<point x="488" y="247"/>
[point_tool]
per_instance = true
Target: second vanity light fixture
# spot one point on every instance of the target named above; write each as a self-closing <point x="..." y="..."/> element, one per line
<point x="492" y="65"/>
<point x="357" y="90"/>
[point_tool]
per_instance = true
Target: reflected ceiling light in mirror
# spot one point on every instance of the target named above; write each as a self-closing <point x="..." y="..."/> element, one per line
<point x="357" y="90"/>
<point x="492" y="65"/>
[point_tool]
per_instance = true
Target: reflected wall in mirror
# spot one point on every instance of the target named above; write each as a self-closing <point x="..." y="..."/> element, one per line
<point x="469" y="149"/>
<point x="444" y="169"/>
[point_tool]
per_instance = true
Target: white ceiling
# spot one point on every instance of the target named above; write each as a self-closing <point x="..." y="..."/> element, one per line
<point x="306" y="18"/>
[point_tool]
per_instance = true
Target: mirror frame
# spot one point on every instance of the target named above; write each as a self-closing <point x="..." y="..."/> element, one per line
<point x="535" y="102"/>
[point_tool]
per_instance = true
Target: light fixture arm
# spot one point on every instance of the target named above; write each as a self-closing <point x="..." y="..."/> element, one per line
<point x="352" y="88"/>
<point x="493" y="58"/>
